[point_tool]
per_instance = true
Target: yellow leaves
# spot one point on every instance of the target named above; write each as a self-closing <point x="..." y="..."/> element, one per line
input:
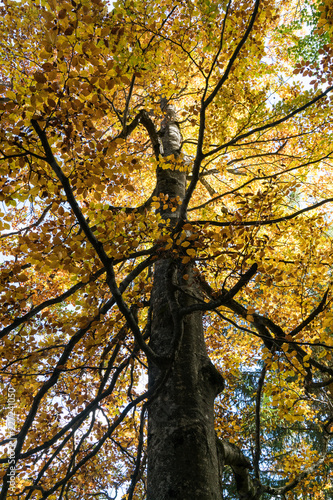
<point x="11" y="95"/>
<point x="191" y="252"/>
<point x="216" y="236"/>
<point x="53" y="4"/>
<point x="305" y="360"/>
<point x="48" y="15"/>
<point x="155" y="205"/>
<point x="119" y="141"/>
<point x="325" y="21"/>
<point x="186" y="260"/>
<point x="169" y="244"/>
<point x="4" y="225"/>
<point x="80" y="106"/>
<point x="328" y="321"/>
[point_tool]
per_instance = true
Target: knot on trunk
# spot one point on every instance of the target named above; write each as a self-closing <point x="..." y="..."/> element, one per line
<point x="213" y="378"/>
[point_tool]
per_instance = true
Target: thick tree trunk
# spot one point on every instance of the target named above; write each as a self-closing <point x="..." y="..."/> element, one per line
<point x="183" y="461"/>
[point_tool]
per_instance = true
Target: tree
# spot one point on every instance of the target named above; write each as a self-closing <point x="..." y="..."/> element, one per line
<point x="166" y="191"/>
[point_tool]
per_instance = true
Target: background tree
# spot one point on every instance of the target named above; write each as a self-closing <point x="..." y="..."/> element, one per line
<point x="166" y="191"/>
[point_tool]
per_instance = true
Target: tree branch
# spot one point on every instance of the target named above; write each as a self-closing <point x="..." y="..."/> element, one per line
<point x="258" y="426"/>
<point x="27" y="228"/>
<point x="135" y="475"/>
<point x="263" y="222"/>
<point x="224" y="297"/>
<point x="98" y="247"/>
<point x="47" y="303"/>
<point x="311" y="316"/>
<point x="302" y="475"/>
<point x="270" y="125"/>
<point x="233" y="57"/>
<point x="262" y="178"/>
<point x="230" y="454"/>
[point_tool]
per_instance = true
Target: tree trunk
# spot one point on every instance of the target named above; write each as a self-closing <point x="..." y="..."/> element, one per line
<point x="183" y="460"/>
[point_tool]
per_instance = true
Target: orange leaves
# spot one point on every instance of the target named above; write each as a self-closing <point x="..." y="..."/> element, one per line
<point x="185" y="244"/>
<point x="325" y="22"/>
<point x="191" y="253"/>
<point x="249" y="316"/>
<point x="74" y="69"/>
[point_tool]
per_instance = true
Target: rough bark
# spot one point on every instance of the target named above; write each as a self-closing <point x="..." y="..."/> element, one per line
<point x="183" y="460"/>
<point x="230" y="454"/>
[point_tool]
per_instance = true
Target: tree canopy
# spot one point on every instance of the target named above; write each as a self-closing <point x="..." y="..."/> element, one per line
<point x="97" y="103"/>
